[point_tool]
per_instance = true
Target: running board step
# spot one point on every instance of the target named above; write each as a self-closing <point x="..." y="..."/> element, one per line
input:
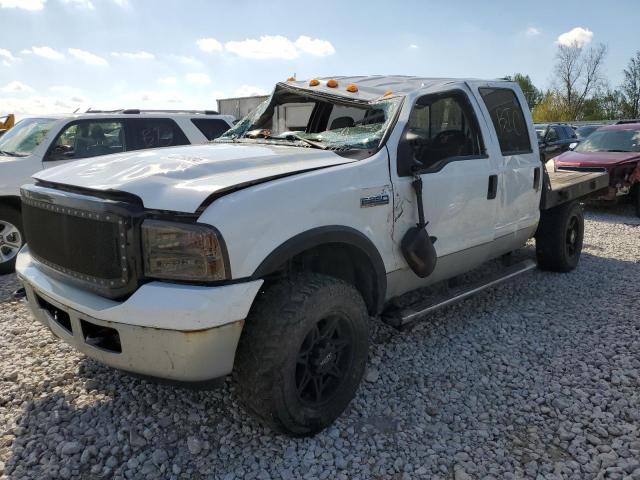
<point x="401" y="317"/>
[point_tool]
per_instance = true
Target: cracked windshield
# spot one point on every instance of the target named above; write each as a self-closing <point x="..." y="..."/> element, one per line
<point x="327" y="123"/>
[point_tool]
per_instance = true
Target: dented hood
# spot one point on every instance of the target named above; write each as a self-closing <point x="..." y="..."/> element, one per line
<point x="182" y="178"/>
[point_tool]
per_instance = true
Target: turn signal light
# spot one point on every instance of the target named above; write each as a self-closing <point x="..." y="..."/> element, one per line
<point x="353" y="88"/>
<point x="332" y="83"/>
<point x="313" y="82"/>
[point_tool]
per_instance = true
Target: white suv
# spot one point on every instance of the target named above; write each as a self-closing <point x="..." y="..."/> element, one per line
<point x="48" y="141"/>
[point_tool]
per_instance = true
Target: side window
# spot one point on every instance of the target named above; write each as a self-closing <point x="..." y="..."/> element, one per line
<point x="154" y="133"/>
<point x="88" y="138"/>
<point x="211" y="128"/>
<point x="440" y="128"/>
<point x="571" y="133"/>
<point x="508" y="120"/>
<point x="552" y="135"/>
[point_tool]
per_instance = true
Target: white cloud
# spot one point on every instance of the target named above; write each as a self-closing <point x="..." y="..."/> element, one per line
<point x="314" y="46"/>
<point x="248" y="91"/>
<point x="167" y="81"/>
<point x="267" y="47"/>
<point x="532" y="32"/>
<point x="576" y="37"/>
<point x="31" y="5"/>
<point x="277" y="46"/>
<point x="87" y="57"/>
<point x="66" y="90"/>
<point x="209" y="45"/>
<point x="16" y="87"/>
<point x="413" y="46"/>
<point x="7" y="57"/>
<point x="80" y="3"/>
<point x="141" y="55"/>
<point x="121" y="3"/>
<point x="44" y="52"/>
<point x="198" y="78"/>
<point x="190" y="61"/>
<point x="40" y="105"/>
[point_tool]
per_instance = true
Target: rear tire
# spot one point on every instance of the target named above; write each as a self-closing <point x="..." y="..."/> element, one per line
<point x="559" y="237"/>
<point x="11" y="238"/>
<point x="302" y="353"/>
<point x="637" y="200"/>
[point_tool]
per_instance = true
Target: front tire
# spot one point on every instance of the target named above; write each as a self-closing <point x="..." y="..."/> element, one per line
<point x="559" y="237"/>
<point x="11" y="238"/>
<point x="302" y="353"/>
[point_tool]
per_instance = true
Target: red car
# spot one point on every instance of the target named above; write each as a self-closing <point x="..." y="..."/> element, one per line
<point x="614" y="148"/>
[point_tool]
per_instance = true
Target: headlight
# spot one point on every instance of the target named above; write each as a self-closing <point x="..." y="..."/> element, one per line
<point x="180" y="251"/>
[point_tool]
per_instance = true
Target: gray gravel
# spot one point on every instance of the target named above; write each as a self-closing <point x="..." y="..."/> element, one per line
<point x="535" y="379"/>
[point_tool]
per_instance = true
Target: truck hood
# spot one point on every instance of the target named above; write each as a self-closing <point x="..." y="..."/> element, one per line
<point x="595" y="159"/>
<point x="182" y="178"/>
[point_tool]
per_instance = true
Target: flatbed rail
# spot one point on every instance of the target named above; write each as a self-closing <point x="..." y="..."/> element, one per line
<point x="564" y="186"/>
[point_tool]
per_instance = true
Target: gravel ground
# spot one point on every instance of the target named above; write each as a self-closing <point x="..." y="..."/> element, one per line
<point x="534" y="379"/>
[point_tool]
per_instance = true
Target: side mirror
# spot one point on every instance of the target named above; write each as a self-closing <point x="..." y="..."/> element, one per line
<point x="61" y="151"/>
<point x="406" y="158"/>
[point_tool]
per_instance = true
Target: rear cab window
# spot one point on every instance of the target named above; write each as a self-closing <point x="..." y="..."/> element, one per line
<point x="211" y="128"/>
<point x="508" y="120"/>
<point x="145" y="133"/>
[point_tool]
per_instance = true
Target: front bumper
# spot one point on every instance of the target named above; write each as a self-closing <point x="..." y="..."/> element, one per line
<point x="174" y="332"/>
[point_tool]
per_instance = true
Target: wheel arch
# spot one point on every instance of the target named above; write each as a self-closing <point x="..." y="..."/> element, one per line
<point x="334" y="250"/>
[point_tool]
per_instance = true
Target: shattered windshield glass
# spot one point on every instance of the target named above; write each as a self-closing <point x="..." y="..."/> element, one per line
<point x="326" y="122"/>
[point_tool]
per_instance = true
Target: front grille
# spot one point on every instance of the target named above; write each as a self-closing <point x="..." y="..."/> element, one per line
<point x="87" y="240"/>
<point x="73" y="240"/>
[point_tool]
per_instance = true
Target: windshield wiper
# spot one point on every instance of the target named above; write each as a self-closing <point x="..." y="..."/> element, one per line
<point x="12" y="154"/>
<point x="293" y="138"/>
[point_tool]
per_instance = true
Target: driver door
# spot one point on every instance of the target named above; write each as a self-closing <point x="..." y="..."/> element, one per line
<point x="459" y="179"/>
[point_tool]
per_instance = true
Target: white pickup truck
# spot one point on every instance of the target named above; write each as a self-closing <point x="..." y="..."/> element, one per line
<point x="266" y="253"/>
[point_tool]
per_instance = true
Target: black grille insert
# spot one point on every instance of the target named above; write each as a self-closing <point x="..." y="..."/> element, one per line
<point x="74" y="243"/>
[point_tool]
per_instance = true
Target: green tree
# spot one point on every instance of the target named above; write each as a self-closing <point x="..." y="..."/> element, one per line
<point x="578" y="75"/>
<point x="531" y="92"/>
<point x="551" y="108"/>
<point x="631" y="88"/>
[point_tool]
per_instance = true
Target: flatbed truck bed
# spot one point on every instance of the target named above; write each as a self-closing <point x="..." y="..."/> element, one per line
<point x="564" y="186"/>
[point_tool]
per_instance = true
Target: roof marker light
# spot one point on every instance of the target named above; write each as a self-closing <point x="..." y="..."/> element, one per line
<point x="314" y="82"/>
<point x="332" y="83"/>
<point x="291" y="79"/>
<point x="388" y="93"/>
<point x="352" y="87"/>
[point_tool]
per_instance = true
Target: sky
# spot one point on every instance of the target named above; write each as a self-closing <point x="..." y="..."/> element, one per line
<point x="63" y="55"/>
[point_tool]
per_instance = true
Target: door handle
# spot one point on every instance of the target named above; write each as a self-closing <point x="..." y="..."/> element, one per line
<point x="536" y="178"/>
<point x="493" y="187"/>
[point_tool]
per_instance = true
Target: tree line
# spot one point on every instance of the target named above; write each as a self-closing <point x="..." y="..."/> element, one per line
<point x="580" y="91"/>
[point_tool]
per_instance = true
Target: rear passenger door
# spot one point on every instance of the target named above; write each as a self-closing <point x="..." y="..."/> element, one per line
<point x="143" y="133"/>
<point x="520" y="170"/>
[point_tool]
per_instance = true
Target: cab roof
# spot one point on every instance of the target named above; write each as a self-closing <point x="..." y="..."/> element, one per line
<point x="374" y="87"/>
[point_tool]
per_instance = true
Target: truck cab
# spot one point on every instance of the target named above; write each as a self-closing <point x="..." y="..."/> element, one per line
<point x="265" y="254"/>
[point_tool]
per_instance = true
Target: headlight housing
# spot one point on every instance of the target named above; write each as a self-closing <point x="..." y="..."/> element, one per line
<point x="181" y="251"/>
